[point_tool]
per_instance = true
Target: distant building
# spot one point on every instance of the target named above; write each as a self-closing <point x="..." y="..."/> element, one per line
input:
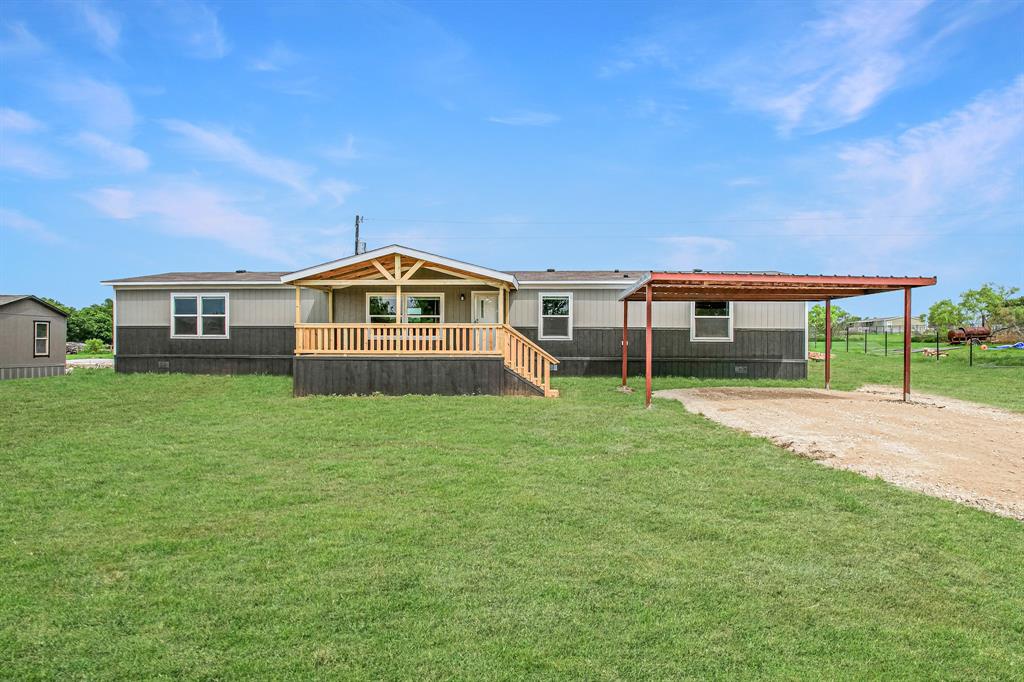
<point x="893" y="325"/>
<point x="32" y="337"/>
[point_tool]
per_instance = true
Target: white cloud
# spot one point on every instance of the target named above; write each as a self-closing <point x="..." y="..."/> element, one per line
<point x="125" y="157"/>
<point x="18" y="222"/>
<point x="839" y="67"/>
<point x="19" y="42"/>
<point x="526" y="118"/>
<point x="13" y="121"/>
<point x="104" y="26"/>
<point x="823" y="74"/>
<point x="224" y="146"/>
<point x="195" y="27"/>
<point x="31" y="160"/>
<point x="186" y="209"/>
<point x="103" y="106"/>
<point x="685" y="253"/>
<point x="345" y="152"/>
<point x="277" y="58"/>
<point x="338" y="190"/>
<point x="744" y="182"/>
<point x="949" y="173"/>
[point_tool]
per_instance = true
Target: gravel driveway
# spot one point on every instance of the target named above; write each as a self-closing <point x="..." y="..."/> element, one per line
<point x="940" y="446"/>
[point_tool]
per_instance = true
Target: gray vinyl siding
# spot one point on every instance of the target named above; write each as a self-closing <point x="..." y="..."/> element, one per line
<point x="601" y="308"/>
<point x="269" y="307"/>
<point x="17" y="335"/>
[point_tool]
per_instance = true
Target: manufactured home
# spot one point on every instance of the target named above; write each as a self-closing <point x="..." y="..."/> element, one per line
<point x="397" y="320"/>
<point x="32" y="338"/>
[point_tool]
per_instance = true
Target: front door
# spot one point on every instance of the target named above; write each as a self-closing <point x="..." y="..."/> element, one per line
<point x="485" y="311"/>
<point x="485" y="307"/>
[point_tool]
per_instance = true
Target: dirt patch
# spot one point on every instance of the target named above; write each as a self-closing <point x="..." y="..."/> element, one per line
<point x="940" y="446"/>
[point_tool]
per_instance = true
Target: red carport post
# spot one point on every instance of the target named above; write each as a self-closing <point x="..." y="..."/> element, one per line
<point x="906" y="343"/>
<point x="828" y="344"/>
<point x="648" y="340"/>
<point x="625" y="340"/>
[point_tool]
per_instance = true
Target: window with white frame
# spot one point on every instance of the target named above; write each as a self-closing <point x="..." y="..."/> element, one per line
<point x="41" y="340"/>
<point x="381" y="309"/>
<point x="424" y="308"/>
<point x="711" y="321"/>
<point x="199" y="315"/>
<point x="419" y="309"/>
<point x="555" y="316"/>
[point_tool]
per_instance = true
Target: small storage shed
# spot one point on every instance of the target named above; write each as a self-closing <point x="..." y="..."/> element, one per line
<point x="33" y="334"/>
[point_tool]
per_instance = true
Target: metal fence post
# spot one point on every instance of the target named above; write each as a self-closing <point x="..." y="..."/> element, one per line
<point x="847" y="338"/>
<point x="865" y="340"/>
<point x="936" y="344"/>
<point x="970" y="351"/>
<point x="885" y="335"/>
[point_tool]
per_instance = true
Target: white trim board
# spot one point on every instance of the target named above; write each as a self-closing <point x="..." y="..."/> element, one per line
<point x="396" y="249"/>
<point x="540" y="314"/>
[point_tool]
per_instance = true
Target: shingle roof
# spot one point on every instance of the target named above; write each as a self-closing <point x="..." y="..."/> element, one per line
<point x="626" y="276"/>
<point x="199" y="277"/>
<point x="5" y="299"/>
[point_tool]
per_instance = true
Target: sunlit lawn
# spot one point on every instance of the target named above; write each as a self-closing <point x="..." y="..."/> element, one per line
<point x="216" y="527"/>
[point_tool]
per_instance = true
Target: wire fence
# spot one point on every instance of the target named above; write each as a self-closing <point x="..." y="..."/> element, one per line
<point x="884" y="344"/>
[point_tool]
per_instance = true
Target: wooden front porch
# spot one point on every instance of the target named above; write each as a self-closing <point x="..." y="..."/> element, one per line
<point x="519" y="354"/>
<point x="418" y="305"/>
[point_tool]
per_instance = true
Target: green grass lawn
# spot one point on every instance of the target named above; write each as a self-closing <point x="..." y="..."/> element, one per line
<point x="215" y="527"/>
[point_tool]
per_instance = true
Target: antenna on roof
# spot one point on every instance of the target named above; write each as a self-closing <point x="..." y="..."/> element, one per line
<point x="360" y="246"/>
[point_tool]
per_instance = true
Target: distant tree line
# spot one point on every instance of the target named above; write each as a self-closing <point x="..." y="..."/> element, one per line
<point x="997" y="306"/>
<point x="1000" y="307"/>
<point x="94" y="321"/>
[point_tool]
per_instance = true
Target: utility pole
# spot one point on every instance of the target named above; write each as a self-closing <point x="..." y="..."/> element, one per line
<point x="359" y="220"/>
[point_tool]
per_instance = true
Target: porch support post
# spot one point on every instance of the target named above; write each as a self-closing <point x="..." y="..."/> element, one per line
<point x="330" y="305"/>
<point x="298" y="320"/>
<point x="625" y="340"/>
<point x="398" y="304"/>
<point x="906" y="343"/>
<point x="648" y="342"/>
<point x="828" y="344"/>
<point x="501" y="304"/>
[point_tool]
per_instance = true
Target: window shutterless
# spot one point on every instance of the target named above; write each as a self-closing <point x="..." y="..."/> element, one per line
<point x="555" y="316"/>
<point x="199" y="315"/>
<point x="711" y="321"/>
<point x="41" y="340"/>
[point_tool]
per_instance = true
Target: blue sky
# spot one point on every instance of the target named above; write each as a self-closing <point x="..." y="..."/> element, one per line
<point x="840" y="138"/>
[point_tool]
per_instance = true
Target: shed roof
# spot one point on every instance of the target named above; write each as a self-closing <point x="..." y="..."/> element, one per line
<point x="748" y="286"/>
<point x="6" y="299"/>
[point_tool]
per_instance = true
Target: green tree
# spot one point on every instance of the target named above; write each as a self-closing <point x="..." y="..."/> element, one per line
<point x="840" y="319"/>
<point x="990" y="302"/>
<point x="94" y="321"/>
<point x="945" y="314"/>
<point x="54" y="302"/>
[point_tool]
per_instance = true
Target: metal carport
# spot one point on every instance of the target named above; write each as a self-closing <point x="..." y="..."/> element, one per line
<point x="752" y="286"/>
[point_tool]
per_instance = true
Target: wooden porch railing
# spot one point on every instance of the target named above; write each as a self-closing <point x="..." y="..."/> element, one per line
<point x="520" y="354"/>
<point x="398" y="339"/>
<point x="528" y="360"/>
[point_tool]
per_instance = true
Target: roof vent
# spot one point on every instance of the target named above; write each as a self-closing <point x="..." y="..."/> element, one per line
<point x="615" y="270"/>
<point x="697" y="270"/>
<point x="551" y="269"/>
<point x="241" y="271"/>
<point x="625" y="274"/>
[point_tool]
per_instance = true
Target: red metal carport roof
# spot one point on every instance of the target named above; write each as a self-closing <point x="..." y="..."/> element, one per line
<point x="763" y="286"/>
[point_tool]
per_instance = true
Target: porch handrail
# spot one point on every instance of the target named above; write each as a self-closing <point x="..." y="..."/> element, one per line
<point x="389" y="338"/>
<point x="528" y="360"/>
